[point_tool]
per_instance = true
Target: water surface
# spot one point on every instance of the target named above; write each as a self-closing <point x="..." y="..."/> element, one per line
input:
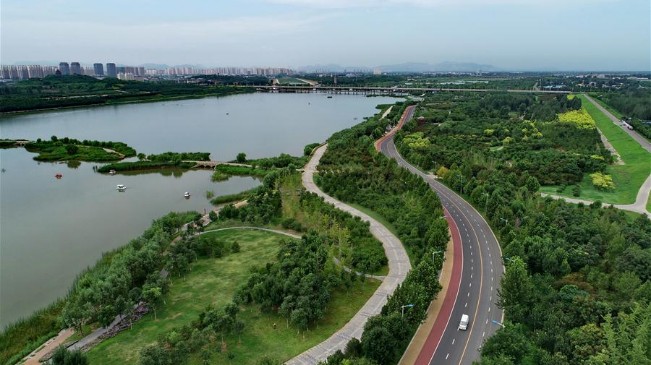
<point x="51" y="229"/>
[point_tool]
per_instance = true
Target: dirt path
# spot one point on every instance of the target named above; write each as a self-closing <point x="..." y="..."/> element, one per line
<point x="49" y="345"/>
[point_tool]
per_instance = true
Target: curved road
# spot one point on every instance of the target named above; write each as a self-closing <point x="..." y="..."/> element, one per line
<point x="399" y="266"/>
<point x="477" y="272"/>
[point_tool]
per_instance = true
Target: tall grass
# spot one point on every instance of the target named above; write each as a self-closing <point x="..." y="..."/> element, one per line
<point x="22" y="337"/>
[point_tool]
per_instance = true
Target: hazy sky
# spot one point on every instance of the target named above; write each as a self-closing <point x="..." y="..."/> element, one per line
<point x="510" y="34"/>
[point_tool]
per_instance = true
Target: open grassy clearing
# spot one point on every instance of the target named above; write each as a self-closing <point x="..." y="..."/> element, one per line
<point x="210" y="281"/>
<point x="282" y="343"/>
<point x="628" y="177"/>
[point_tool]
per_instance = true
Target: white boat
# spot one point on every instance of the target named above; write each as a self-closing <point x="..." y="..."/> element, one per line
<point x="112" y="172"/>
<point x="121" y="187"/>
<point x="186" y="195"/>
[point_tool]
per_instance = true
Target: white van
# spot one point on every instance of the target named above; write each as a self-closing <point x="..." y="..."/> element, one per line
<point x="463" y="325"/>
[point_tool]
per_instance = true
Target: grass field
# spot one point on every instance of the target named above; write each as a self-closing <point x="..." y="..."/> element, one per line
<point x="210" y="281"/>
<point x="215" y="281"/>
<point x="628" y="177"/>
<point x="260" y="338"/>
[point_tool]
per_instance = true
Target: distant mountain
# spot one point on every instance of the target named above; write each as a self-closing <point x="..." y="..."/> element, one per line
<point x="333" y="68"/>
<point x="405" y="67"/>
<point x="155" y="66"/>
<point x="439" y="67"/>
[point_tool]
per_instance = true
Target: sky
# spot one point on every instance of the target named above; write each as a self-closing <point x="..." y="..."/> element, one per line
<point x="516" y="35"/>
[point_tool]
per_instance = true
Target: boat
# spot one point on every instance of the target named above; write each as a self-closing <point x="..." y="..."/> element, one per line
<point x="329" y="96"/>
<point x="121" y="187"/>
<point x="186" y="195"/>
<point x="59" y="175"/>
<point x="112" y="172"/>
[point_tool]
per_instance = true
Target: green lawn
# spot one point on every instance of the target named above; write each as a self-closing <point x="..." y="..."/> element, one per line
<point x="215" y="281"/>
<point x="210" y="281"/>
<point x="628" y="177"/>
<point x="261" y="339"/>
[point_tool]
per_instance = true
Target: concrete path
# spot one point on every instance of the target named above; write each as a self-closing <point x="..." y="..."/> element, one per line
<point x="636" y="136"/>
<point x="51" y="344"/>
<point x="640" y="201"/>
<point x="285" y="233"/>
<point x="638" y="207"/>
<point x="386" y="112"/>
<point x="399" y="266"/>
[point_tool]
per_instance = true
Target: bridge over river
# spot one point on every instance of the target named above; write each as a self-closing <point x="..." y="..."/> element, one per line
<point x="378" y="90"/>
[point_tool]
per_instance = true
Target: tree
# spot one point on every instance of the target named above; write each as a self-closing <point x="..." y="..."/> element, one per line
<point x="155" y="355"/>
<point x="152" y="295"/>
<point x="64" y="357"/>
<point x="515" y="292"/>
<point x="241" y="157"/>
<point x="72" y="149"/>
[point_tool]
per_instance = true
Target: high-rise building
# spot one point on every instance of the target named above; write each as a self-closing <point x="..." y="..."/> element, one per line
<point x="99" y="69"/>
<point x="64" y="68"/>
<point x="111" y="70"/>
<point x="75" y="68"/>
<point x="35" y="71"/>
<point x="24" y="73"/>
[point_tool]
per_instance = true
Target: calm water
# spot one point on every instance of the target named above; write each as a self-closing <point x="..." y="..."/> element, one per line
<point x="51" y="229"/>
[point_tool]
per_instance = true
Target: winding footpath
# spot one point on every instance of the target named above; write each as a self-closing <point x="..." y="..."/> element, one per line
<point x="476" y="274"/>
<point x="399" y="266"/>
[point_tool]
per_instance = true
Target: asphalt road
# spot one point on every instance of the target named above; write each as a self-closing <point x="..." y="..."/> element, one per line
<point x="480" y="273"/>
<point x="636" y="136"/>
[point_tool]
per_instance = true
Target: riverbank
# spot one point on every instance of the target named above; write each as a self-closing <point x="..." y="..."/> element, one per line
<point x="12" y="105"/>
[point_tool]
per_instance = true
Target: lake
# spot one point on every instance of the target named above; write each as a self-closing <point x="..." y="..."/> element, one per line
<point x="51" y="229"/>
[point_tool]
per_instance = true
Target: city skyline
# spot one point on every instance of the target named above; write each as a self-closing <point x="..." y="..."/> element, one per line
<point x="512" y="35"/>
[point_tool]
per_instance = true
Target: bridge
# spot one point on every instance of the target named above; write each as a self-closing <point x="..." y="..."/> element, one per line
<point x="379" y="90"/>
<point x="213" y="164"/>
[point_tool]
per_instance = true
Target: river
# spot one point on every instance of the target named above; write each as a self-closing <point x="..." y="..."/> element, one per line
<point x="51" y="229"/>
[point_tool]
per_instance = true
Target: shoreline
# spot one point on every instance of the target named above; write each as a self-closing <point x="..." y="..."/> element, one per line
<point x="236" y="91"/>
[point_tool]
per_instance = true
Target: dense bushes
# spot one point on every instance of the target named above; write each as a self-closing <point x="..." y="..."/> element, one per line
<point x="75" y="90"/>
<point x="576" y="276"/>
<point x="124" y="277"/>
<point x="61" y="149"/>
<point x="352" y="172"/>
<point x="515" y="133"/>
<point x="297" y="285"/>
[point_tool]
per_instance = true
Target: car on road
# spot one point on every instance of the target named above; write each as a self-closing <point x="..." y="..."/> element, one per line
<point x="463" y="324"/>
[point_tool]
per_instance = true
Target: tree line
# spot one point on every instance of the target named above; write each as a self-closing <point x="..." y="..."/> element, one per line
<point x="577" y="276"/>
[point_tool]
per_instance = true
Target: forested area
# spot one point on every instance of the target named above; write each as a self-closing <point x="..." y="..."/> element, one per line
<point x="577" y="287"/>
<point x="120" y="279"/>
<point x="62" y="149"/>
<point x="634" y="105"/>
<point x="75" y="90"/>
<point x="353" y="172"/>
<point x="516" y="133"/>
<point x="298" y="284"/>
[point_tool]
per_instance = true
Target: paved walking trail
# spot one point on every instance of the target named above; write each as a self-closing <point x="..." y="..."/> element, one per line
<point x="399" y="266"/>
<point x="34" y="357"/>
<point x="638" y="207"/>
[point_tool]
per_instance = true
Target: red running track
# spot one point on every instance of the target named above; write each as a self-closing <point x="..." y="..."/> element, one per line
<point x="443" y="318"/>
